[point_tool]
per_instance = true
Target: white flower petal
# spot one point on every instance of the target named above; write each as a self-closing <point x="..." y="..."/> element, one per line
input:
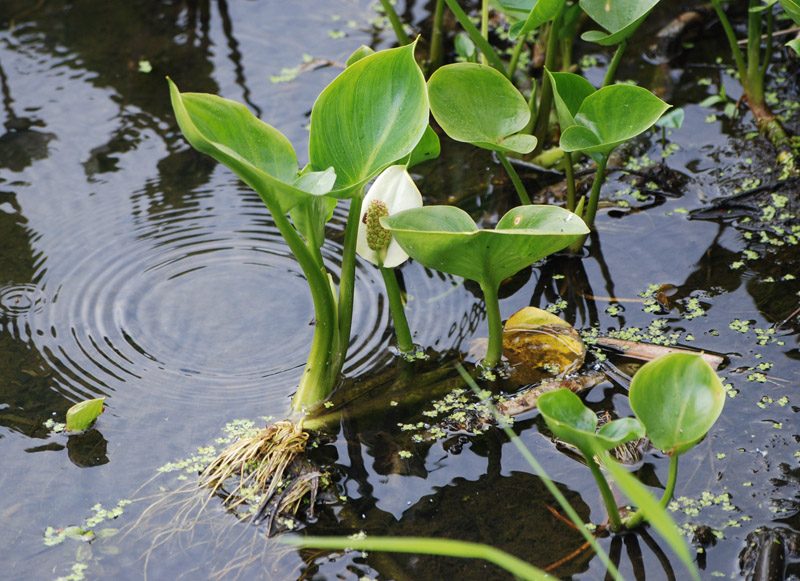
<point x="395" y="188"/>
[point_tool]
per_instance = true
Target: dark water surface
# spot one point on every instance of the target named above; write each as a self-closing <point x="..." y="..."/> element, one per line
<point x="134" y="268"/>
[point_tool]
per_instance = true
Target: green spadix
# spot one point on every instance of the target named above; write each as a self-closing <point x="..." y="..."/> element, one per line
<point x="445" y="238"/>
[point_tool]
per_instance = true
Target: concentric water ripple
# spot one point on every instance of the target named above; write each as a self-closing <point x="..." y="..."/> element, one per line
<point x="196" y="305"/>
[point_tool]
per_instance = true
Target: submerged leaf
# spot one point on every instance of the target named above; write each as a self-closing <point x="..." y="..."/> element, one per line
<point x="81" y="415"/>
<point x="540" y="345"/>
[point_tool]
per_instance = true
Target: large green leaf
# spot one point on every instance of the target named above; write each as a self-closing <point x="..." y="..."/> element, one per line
<point x="369" y="117"/>
<point x="569" y="419"/>
<point x="611" y="116"/>
<point x="81" y="415"/>
<point x="542" y="11"/>
<point x="792" y="8"/>
<point x="476" y="104"/>
<point x="569" y="92"/>
<point x="619" y="17"/>
<point x="445" y="238"/>
<point x="516" y="9"/>
<point x="678" y="397"/>
<point x="256" y="152"/>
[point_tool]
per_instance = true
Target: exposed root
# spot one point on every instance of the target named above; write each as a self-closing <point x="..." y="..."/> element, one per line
<point x="258" y="467"/>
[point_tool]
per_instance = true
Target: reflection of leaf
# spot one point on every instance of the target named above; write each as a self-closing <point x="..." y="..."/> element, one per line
<point x="81" y="415"/>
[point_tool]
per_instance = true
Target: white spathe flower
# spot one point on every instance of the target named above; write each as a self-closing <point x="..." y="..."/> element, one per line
<point x="392" y="192"/>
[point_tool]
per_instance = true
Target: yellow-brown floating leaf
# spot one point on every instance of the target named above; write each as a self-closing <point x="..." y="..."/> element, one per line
<point x="540" y="345"/>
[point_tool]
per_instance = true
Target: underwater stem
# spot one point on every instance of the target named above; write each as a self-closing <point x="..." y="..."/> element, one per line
<point x="512" y="173"/>
<point x="404" y="341"/>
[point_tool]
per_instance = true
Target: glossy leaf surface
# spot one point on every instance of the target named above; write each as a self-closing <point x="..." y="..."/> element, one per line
<point x="678" y="397"/>
<point x="256" y="152"/>
<point x="445" y="238"/>
<point x="81" y="415"/>
<point x="541" y="12"/>
<point x="369" y="117"/>
<point x="620" y="18"/>
<point x="569" y="92"/>
<point x="569" y="419"/>
<point x="476" y="104"/>
<point x="611" y="116"/>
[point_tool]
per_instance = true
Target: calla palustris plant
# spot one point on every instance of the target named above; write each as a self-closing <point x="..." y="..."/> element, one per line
<point x="597" y="122"/>
<point x="445" y="238"/>
<point x="373" y="115"/>
<point x="476" y="104"/>
<point x="676" y="399"/>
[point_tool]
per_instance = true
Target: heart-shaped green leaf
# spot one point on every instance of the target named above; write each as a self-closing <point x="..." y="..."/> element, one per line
<point x="619" y="17"/>
<point x="369" y="117"/>
<point x="569" y="419"/>
<point x="81" y="415"/>
<point x="611" y="116"/>
<point x="476" y="104"/>
<point x="678" y="397"/>
<point x="569" y="92"/>
<point x="542" y="11"/>
<point x="672" y="120"/>
<point x="445" y="238"/>
<point x="256" y="152"/>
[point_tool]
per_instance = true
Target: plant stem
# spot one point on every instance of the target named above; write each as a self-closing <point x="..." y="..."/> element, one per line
<point x="731" y="36"/>
<point x="437" y="50"/>
<point x="316" y="382"/>
<point x="671" y="479"/>
<point x="512" y="64"/>
<point x="397" y="26"/>
<point x="569" y="170"/>
<point x="484" y="26"/>
<point x="612" y="66"/>
<point x="512" y="173"/>
<point x="594" y="195"/>
<point x="474" y="34"/>
<point x="605" y="491"/>
<point x="636" y="519"/>
<point x="549" y="484"/>
<point x="347" y="283"/>
<point x="404" y="341"/>
<point x="495" y="349"/>
<point x="546" y="98"/>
